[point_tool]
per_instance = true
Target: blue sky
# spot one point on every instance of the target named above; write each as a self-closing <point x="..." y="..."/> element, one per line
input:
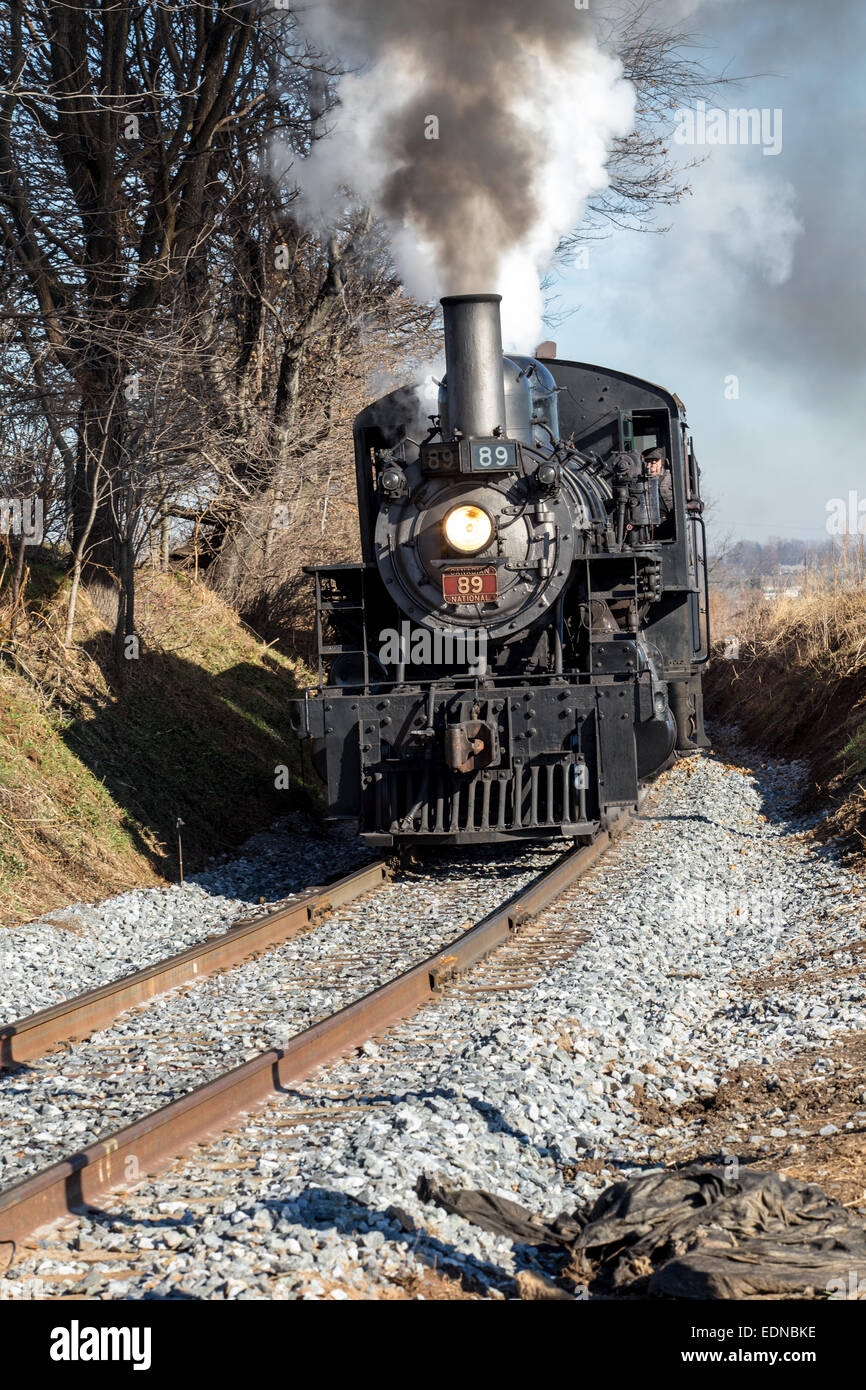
<point x="760" y="277"/>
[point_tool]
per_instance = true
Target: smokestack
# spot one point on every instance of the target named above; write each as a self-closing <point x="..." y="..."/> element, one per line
<point x="473" y="362"/>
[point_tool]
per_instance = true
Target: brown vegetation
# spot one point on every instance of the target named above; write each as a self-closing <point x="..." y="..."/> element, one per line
<point x="755" y="1099"/>
<point x="91" y="787"/>
<point x="797" y="687"/>
<point x="177" y="343"/>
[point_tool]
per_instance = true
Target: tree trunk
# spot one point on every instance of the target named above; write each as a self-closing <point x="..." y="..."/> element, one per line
<point x="125" y="623"/>
<point x="96" y="466"/>
<point x="18" y="582"/>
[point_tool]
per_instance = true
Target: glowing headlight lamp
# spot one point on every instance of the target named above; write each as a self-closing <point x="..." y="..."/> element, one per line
<point x="468" y="529"/>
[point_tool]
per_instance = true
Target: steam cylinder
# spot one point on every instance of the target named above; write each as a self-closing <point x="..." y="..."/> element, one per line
<point x="473" y="360"/>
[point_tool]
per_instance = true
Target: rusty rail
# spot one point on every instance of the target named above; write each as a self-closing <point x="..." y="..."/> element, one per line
<point x="148" y="1145"/>
<point x="76" y="1018"/>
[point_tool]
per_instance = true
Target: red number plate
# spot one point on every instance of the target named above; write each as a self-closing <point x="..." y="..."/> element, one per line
<point x="469" y="585"/>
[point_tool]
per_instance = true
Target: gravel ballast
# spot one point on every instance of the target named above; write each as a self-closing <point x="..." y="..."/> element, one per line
<point x="188" y="1036"/>
<point x="84" y="946"/>
<point x="539" y="1092"/>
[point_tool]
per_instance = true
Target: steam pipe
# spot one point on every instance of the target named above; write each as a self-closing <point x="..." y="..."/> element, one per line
<point x="473" y="362"/>
<point x="557" y="625"/>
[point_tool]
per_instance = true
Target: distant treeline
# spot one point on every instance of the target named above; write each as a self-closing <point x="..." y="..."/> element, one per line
<point x="747" y="559"/>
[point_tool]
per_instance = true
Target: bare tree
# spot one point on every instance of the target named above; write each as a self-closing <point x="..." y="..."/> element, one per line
<point x="137" y="229"/>
<point x="667" y="67"/>
<point x="185" y="350"/>
<point x="117" y="122"/>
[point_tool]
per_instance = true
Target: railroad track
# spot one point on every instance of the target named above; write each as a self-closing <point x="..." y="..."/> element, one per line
<point x="33" y="1036"/>
<point x="149" y="1144"/>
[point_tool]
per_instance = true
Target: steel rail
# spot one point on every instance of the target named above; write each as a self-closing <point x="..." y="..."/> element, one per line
<point x="148" y="1145"/>
<point x="32" y="1036"/>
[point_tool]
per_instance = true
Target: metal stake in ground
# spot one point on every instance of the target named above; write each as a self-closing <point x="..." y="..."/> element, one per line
<point x="180" y="848"/>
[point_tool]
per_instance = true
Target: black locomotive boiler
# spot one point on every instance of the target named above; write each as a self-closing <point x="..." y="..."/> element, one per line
<point x="521" y="646"/>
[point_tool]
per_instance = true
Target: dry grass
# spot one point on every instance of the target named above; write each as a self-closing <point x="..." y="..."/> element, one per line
<point x="835" y="1162"/>
<point x="93" y="779"/>
<point x="798" y="687"/>
<point x="824" y="631"/>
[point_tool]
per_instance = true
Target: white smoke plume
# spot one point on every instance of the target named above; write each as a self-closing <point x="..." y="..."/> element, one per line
<point x="742" y="220"/>
<point x="476" y="129"/>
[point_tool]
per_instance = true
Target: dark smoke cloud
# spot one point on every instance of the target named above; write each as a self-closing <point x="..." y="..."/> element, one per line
<point x="523" y="105"/>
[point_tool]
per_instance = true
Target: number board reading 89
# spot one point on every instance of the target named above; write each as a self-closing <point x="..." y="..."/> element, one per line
<point x="493" y="454"/>
<point x="439" y="458"/>
<point x="469" y="585"/>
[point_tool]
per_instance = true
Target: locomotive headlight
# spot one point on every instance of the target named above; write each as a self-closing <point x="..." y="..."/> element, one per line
<point x="468" y="529"/>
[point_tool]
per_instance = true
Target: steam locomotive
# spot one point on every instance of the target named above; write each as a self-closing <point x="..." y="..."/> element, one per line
<point x="521" y="646"/>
